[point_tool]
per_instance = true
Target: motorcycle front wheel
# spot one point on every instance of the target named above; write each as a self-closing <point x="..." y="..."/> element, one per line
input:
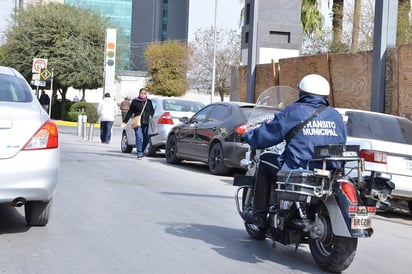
<point x="332" y="253"/>
<point x="254" y="231"/>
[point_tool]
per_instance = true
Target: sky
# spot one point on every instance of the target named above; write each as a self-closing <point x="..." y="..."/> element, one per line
<point x="202" y="15"/>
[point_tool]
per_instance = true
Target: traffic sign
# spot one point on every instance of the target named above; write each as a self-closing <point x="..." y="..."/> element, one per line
<point x="45" y="74"/>
<point x="38" y="64"/>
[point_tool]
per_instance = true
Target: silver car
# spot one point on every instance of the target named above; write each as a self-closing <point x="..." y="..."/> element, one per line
<point x="168" y="111"/>
<point x="29" y="149"/>
<point x="386" y="145"/>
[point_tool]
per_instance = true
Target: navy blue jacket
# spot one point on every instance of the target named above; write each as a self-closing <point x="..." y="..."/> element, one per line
<point x="327" y="128"/>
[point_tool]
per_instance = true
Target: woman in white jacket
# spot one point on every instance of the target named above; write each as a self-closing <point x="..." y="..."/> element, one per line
<point x="107" y="110"/>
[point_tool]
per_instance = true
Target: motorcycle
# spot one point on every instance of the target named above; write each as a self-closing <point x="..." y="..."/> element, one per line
<point x="328" y="208"/>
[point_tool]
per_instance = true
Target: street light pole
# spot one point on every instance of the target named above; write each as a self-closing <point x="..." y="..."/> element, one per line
<point x="214" y="57"/>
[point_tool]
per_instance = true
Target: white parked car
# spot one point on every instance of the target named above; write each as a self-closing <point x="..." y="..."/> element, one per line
<point x="386" y="145"/>
<point x="29" y="149"/>
<point x="168" y="111"/>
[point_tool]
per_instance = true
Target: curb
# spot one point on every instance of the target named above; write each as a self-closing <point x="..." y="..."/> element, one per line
<point x="72" y="124"/>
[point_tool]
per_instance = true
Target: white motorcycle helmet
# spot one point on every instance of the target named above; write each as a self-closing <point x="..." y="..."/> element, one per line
<point x="314" y="84"/>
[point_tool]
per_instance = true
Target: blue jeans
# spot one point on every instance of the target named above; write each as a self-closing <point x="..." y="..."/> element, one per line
<point x="142" y="139"/>
<point x="106" y="131"/>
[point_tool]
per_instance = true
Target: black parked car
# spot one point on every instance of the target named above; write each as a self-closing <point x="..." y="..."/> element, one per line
<point x="210" y="137"/>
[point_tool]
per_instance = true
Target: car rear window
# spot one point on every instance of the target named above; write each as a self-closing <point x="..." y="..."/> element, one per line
<point x="14" y="89"/>
<point x="246" y="110"/>
<point x="181" y="105"/>
<point x="384" y="128"/>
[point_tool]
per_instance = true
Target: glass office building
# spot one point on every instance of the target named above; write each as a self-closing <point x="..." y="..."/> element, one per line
<point x="156" y="21"/>
<point x="120" y="14"/>
<point x="140" y="23"/>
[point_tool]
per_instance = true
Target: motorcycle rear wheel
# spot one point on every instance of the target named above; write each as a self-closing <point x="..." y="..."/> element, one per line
<point x="254" y="231"/>
<point x="332" y="253"/>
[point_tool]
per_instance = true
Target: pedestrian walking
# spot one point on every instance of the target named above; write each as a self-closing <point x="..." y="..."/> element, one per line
<point x="44" y="101"/>
<point x="124" y="107"/>
<point x="142" y="135"/>
<point x="107" y="110"/>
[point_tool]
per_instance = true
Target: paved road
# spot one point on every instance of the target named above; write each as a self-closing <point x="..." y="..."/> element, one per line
<point x="114" y="214"/>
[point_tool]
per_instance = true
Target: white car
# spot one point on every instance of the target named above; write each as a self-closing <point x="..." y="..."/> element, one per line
<point x="168" y="111"/>
<point x="386" y="145"/>
<point x="29" y="149"/>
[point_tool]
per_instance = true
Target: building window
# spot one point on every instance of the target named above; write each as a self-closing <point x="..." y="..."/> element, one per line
<point x="165" y="19"/>
<point x="247" y="14"/>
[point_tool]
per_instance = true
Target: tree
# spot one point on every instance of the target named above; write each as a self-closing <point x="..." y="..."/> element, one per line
<point x="72" y="40"/>
<point x="167" y="66"/>
<point x="227" y="49"/>
<point x="404" y="28"/>
<point x="311" y="17"/>
<point x="356" y="25"/>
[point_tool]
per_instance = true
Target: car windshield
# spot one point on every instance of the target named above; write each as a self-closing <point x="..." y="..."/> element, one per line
<point x="384" y="128"/>
<point x="14" y="89"/>
<point x="181" y="105"/>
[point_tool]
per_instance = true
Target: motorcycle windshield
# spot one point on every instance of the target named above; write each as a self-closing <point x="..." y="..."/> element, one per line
<point x="269" y="102"/>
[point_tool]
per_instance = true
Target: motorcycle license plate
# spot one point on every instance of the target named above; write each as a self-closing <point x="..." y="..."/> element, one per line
<point x="361" y="222"/>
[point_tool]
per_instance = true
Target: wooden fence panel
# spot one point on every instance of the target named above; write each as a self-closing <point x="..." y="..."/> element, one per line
<point x="351" y="78"/>
<point x="405" y="81"/>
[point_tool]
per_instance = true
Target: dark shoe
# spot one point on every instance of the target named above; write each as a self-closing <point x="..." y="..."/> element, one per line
<point x="254" y="217"/>
<point x="139" y="157"/>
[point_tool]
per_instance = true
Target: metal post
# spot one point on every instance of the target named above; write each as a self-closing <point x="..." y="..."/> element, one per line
<point x="214" y="57"/>
<point x="252" y="52"/>
<point x="84" y="122"/>
<point x="384" y="37"/>
<point x="51" y="88"/>
<point x="91" y="129"/>
<point x="79" y="124"/>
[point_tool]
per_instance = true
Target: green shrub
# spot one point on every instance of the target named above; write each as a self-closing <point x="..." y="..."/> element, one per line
<point x="83" y="108"/>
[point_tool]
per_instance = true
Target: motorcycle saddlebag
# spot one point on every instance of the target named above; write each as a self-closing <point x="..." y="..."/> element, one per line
<point x="297" y="185"/>
<point x="243" y="180"/>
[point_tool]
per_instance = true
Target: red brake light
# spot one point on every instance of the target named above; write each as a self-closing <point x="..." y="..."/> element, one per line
<point x="350" y="192"/>
<point x="165" y="119"/>
<point x="46" y="137"/>
<point x="374" y="156"/>
<point x="241" y="129"/>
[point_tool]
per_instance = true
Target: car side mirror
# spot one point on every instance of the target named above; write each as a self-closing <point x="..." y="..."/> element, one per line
<point x="184" y="120"/>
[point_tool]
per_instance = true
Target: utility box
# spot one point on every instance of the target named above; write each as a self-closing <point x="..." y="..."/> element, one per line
<point x="278" y="30"/>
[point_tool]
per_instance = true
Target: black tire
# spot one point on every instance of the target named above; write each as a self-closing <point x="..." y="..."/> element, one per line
<point x="124" y="145"/>
<point x="332" y="253"/>
<point x="410" y="206"/>
<point x="37" y="213"/>
<point x="171" y="150"/>
<point x="151" y="150"/>
<point x="216" y="163"/>
<point x="254" y="231"/>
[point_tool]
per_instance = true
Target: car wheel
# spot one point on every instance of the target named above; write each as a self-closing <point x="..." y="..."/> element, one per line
<point x="37" y="212"/>
<point x="151" y="150"/>
<point x="410" y="206"/>
<point x="171" y="150"/>
<point x="216" y="163"/>
<point x="125" y="147"/>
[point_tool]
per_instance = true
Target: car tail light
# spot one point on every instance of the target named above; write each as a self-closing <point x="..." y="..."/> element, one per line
<point x="46" y="137"/>
<point x="241" y="129"/>
<point x="374" y="156"/>
<point x="165" y="119"/>
<point x="349" y="191"/>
